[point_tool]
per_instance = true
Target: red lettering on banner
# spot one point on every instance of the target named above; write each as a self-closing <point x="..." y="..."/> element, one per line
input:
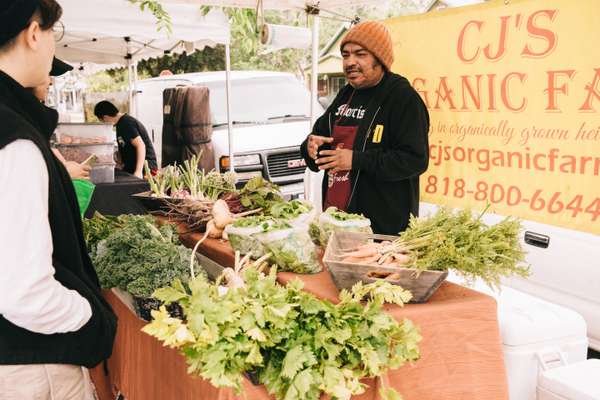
<point x="472" y="30"/>
<point x="475" y="97"/>
<point x="461" y="42"/>
<point x="505" y="94"/>
<point x="593" y="93"/>
<point x="444" y="93"/>
<point x="501" y="42"/>
<point x="491" y="91"/>
<point x="537" y="32"/>
<point x="552" y="89"/>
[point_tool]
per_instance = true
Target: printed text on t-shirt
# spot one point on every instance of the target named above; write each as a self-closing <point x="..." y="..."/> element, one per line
<point x="345" y="111"/>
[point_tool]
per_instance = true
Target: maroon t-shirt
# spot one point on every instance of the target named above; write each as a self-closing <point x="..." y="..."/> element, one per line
<point x="347" y="118"/>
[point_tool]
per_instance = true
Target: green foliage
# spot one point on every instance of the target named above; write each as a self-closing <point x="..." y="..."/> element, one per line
<point x="298" y="345"/>
<point x="163" y="19"/>
<point x="208" y="59"/>
<point x="340" y="215"/>
<point x="140" y="257"/>
<point x="108" y="81"/>
<point x="290" y="209"/>
<point x="260" y="193"/>
<point x="292" y="248"/>
<point x="99" y="227"/>
<point x="333" y="220"/>
<point x="462" y="242"/>
<point x="246" y="51"/>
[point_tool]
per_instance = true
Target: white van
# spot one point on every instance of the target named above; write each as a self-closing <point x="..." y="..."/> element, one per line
<point x="271" y="115"/>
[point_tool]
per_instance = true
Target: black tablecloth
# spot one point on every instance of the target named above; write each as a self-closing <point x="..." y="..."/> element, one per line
<point x="115" y="198"/>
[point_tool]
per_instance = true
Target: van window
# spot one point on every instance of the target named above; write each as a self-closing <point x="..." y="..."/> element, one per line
<point x="258" y="99"/>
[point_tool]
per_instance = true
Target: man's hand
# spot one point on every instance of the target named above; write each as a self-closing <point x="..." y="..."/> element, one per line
<point x="314" y="142"/>
<point x="78" y="171"/>
<point x="335" y="160"/>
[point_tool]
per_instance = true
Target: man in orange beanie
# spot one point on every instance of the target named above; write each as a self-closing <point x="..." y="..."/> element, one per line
<point x="373" y="139"/>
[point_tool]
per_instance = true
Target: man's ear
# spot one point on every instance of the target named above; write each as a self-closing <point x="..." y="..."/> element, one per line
<point x="32" y="35"/>
<point x="377" y="63"/>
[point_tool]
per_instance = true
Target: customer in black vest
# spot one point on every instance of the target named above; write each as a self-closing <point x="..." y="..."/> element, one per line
<point x="135" y="146"/>
<point x="53" y="318"/>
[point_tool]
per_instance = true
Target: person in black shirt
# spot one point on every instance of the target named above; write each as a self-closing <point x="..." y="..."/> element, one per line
<point x="373" y="139"/>
<point x="135" y="146"/>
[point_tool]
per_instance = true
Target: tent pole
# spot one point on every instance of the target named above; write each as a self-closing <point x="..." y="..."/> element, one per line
<point x="311" y="178"/>
<point x="228" y="90"/>
<point x="130" y="86"/>
<point x="135" y="92"/>
<point x="314" y="70"/>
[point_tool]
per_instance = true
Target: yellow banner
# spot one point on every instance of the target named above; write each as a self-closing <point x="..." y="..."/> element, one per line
<point x="513" y="92"/>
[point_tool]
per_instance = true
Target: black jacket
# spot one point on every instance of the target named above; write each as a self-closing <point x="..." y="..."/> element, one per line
<point x="23" y="117"/>
<point x="391" y="150"/>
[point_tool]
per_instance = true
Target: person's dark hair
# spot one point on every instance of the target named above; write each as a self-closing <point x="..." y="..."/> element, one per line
<point x="47" y="13"/>
<point x="105" y="108"/>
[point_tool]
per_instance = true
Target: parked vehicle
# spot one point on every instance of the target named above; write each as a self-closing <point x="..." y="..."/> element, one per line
<point x="270" y="114"/>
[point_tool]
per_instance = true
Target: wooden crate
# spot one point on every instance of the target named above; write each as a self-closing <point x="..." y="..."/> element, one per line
<point x="422" y="285"/>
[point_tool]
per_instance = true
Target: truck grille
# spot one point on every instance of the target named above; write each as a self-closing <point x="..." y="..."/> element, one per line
<point x="278" y="164"/>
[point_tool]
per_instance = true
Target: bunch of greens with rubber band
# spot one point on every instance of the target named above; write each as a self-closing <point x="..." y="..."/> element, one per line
<point x="461" y="241"/>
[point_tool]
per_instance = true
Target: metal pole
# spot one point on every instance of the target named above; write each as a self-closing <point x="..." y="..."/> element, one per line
<point x="135" y="91"/>
<point x="311" y="188"/>
<point x="130" y="86"/>
<point x="314" y="70"/>
<point x="228" y="91"/>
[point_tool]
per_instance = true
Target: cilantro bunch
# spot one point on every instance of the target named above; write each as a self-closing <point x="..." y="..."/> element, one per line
<point x="298" y="345"/>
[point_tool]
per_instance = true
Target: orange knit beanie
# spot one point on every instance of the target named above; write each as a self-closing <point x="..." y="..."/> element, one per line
<point x="374" y="37"/>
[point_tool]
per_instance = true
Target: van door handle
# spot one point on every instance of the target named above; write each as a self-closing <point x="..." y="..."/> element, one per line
<point x="537" y="239"/>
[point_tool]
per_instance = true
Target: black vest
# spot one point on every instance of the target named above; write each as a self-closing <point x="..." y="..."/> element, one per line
<point x="23" y="117"/>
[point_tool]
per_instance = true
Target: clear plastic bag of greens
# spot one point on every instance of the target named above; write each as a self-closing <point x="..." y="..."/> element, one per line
<point x="335" y="220"/>
<point x="242" y="232"/>
<point x="296" y="212"/>
<point x="291" y="248"/>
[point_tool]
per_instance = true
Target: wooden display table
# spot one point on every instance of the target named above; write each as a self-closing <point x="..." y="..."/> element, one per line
<point x="461" y="353"/>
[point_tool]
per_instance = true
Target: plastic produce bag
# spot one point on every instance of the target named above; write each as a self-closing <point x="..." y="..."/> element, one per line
<point x="292" y="249"/>
<point x="84" y="190"/>
<point x="335" y="220"/>
<point x="242" y="235"/>
<point x="296" y="212"/>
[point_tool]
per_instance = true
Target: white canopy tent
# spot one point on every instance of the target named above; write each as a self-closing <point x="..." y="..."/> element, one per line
<point x="117" y="33"/>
